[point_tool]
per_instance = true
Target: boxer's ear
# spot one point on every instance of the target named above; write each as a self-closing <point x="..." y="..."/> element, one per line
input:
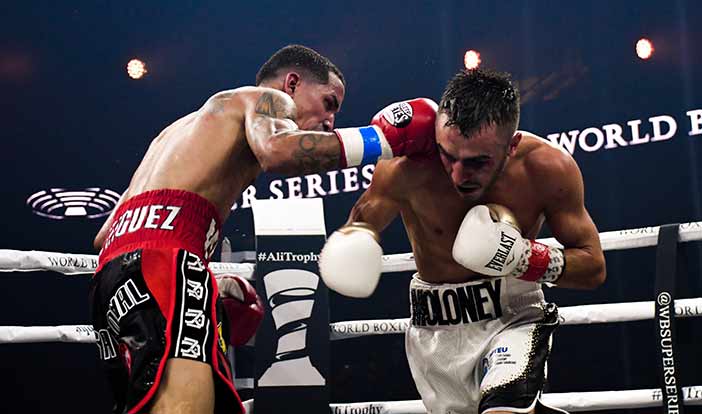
<point x="292" y="80"/>
<point x="514" y="142"/>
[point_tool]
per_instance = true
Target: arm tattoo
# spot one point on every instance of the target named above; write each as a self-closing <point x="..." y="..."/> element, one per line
<point x="309" y="158"/>
<point x="274" y="106"/>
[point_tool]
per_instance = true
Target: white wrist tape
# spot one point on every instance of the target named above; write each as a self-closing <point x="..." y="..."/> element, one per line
<point x="364" y="145"/>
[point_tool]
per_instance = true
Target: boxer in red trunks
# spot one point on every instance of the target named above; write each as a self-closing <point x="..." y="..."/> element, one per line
<point x="154" y="303"/>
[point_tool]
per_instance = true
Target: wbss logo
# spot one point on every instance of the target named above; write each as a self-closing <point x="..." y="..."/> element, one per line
<point x="61" y="203"/>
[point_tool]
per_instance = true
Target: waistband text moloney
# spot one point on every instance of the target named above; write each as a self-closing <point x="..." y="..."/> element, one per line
<point x="459" y="305"/>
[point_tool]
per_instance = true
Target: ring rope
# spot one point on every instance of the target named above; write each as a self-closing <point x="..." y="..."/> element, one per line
<point x="84" y="264"/>
<point x="569" y="401"/>
<point x="76" y="264"/>
<point x="571" y="315"/>
<point x="610" y="240"/>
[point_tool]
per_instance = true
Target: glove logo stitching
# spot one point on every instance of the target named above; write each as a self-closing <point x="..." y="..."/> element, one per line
<point x="499" y="260"/>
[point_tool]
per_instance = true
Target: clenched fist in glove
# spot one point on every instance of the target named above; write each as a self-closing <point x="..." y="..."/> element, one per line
<point x="243" y="306"/>
<point x="401" y="128"/>
<point x="350" y="262"/>
<point x="490" y="242"/>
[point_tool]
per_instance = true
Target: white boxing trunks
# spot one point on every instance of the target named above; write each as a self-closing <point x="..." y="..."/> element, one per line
<point x="480" y="346"/>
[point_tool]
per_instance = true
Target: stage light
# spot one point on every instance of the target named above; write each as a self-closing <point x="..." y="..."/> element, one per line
<point x="471" y="59"/>
<point x="644" y="48"/>
<point x="136" y="69"/>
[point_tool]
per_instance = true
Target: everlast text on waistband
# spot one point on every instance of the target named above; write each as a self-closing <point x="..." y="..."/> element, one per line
<point x="456" y="305"/>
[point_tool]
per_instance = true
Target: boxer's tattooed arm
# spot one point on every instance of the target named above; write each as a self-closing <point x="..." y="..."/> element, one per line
<point x="274" y="106"/>
<point x="283" y="148"/>
<point x="311" y="156"/>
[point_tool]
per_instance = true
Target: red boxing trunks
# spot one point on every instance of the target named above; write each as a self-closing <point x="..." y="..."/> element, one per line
<point x="153" y="297"/>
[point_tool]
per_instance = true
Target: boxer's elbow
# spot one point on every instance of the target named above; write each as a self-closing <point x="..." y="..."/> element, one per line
<point x="100" y="237"/>
<point x="272" y="163"/>
<point x="271" y="157"/>
<point x="597" y="273"/>
<point x="586" y="271"/>
<point x="97" y="242"/>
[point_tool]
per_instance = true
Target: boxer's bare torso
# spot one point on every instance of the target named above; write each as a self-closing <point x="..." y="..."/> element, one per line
<point x="432" y="210"/>
<point x="204" y="152"/>
<point x="217" y="151"/>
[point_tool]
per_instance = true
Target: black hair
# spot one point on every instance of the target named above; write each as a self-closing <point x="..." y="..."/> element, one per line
<point x="301" y="58"/>
<point x="477" y="98"/>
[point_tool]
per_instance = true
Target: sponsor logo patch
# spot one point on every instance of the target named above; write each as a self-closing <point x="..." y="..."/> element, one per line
<point x="399" y="114"/>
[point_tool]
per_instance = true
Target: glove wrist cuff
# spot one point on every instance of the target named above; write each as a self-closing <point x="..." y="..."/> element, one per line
<point x="540" y="263"/>
<point x="362" y="227"/>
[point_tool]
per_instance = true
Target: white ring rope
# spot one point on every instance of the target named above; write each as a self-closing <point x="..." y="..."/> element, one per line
<point x="36" y="334"/>
<point x="610" y="240"/>
<point x="572" y="315"/>
<point x="82" y="264"/>
<point x="76" y="264"/>
<point x="569" y="401"/>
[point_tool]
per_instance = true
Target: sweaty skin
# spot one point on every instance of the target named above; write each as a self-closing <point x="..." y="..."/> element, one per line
<point x="219" y="150"/>
<point x="539" y="182"/>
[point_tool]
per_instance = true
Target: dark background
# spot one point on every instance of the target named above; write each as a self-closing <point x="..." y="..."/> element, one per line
<point x="72" y="118"/>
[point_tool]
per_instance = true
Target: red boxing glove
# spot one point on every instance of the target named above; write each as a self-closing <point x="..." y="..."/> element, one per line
<point x="243" y="306"/>
<point x="408" y="127"/>
<point x="402" y="128"/>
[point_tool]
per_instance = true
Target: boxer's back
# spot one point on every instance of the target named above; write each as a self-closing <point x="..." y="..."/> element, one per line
<point x="204" y="152"/>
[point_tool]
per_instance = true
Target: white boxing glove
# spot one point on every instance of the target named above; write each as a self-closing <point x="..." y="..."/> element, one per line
<point x="486" y="246"/>
<point x="350" y="262"/>
<point x="490" y="242"/>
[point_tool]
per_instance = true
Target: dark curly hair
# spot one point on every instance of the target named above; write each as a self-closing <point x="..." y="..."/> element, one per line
<point x="299" y="57"/>
<point x="477" y="98"/>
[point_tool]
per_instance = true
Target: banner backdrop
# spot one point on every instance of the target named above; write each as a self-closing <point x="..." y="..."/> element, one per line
<point x="75" y="127"/>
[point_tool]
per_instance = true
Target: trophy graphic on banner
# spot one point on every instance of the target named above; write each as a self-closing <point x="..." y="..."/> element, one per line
<point x="290" y="294"/>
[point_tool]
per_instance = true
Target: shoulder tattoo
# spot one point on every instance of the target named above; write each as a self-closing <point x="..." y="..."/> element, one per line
<point x="272" y="105"/>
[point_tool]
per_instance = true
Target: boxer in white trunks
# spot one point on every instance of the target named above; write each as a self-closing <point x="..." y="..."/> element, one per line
<point x="480" y="331"/>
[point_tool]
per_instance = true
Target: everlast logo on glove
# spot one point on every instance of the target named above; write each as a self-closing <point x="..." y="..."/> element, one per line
<point x="498" y="260"/>
<point x="456" y="305"/>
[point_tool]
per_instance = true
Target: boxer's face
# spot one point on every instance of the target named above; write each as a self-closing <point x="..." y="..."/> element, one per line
<point x="473" y="163"/>
<point x="317" y="104"/>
